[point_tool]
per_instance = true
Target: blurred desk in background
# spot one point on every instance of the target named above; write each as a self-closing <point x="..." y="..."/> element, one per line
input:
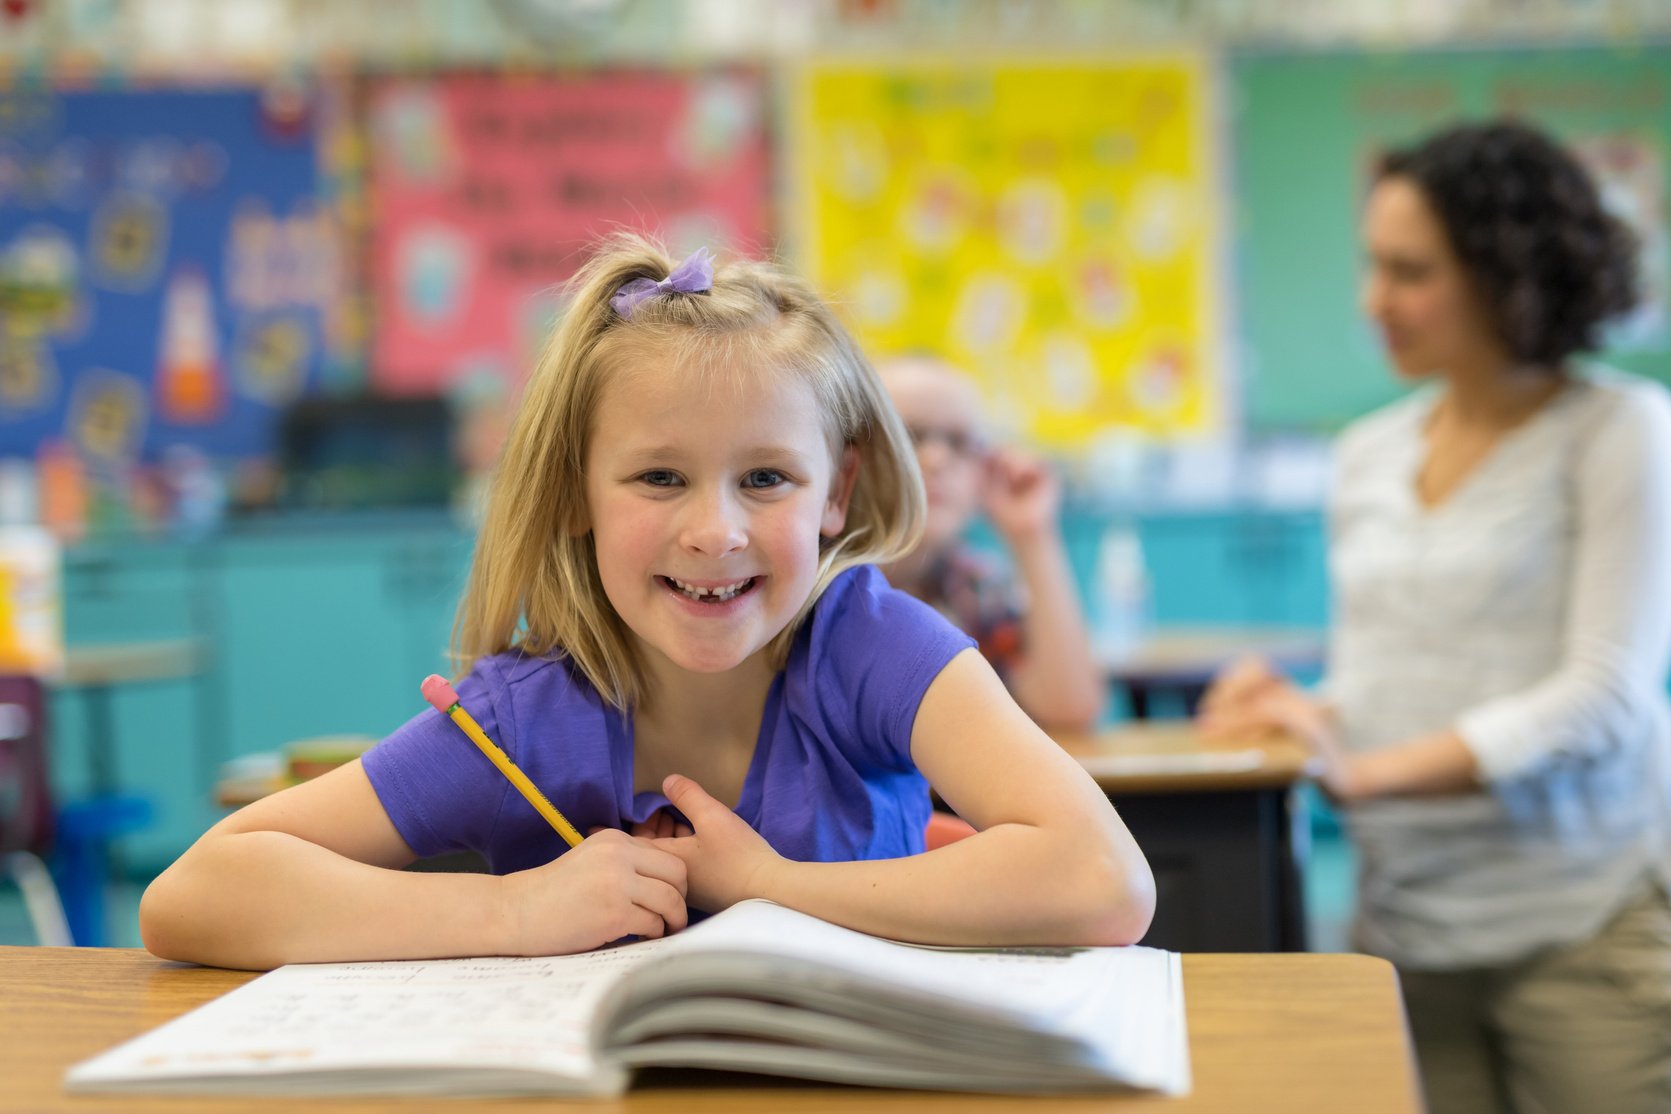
<point x="1180" y="662"/>
<point x="253" y="776"/>
<point x="96" y="670"/>
<point x="248" y="784"/>
<point x="87" y="852"/>
<point x="1221" y="826"/>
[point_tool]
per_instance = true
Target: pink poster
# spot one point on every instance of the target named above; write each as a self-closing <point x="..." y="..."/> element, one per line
<point x="487" y="189"/>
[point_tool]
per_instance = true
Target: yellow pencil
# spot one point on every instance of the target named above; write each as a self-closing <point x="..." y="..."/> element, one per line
<point x="444" y="700"/>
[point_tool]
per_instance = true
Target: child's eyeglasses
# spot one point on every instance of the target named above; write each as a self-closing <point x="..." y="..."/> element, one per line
<point x="957" y="442"/>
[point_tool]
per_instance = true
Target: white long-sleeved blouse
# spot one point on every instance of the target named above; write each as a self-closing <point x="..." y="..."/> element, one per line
<point x="1530" y="611"/>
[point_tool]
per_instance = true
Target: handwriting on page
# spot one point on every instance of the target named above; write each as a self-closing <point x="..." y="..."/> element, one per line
<point x="493" y="1011"/>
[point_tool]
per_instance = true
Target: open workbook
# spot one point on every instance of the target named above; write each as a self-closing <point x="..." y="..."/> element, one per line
<point x="756" y="988"/>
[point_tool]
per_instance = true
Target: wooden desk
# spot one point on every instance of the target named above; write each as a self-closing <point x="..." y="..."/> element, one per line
<point x="119" y="663"/>
<point x="1183" y="660"/>
<point x="1284" y="1034"/>
<point x="1220" y="827"/>
<point x="97" y="670"/>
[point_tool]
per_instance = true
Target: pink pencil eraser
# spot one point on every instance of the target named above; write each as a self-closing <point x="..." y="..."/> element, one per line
<point x="439" y="693"/>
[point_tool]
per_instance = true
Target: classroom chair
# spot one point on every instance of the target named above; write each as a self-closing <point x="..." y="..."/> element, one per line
<point x="26" y="818"/>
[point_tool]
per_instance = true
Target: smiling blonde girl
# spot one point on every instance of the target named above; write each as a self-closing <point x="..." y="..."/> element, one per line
<point x="674" y="625"/>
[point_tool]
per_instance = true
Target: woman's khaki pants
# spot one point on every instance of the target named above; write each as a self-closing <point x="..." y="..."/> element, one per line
<point x="1581" y="1029"/>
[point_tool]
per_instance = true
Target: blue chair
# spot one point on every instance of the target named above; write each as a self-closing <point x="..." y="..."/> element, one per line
<point x="80" y="861"/>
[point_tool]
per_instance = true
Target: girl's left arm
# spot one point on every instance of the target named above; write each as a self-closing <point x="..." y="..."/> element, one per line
<point x="1050" y="863"/>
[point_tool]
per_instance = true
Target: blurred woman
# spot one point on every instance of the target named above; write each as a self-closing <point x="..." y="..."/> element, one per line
<point x="1494" y="720"/>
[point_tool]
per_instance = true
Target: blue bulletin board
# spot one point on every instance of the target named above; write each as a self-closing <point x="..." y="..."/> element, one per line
<point x="166" y="270"/>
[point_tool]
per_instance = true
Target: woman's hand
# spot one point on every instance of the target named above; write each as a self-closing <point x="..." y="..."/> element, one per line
<point x="1250" y="699"/>
<point x="611" y="885"/>
<point x="1287" y="708"/>
<point x="725" y="860"/>
<point x="1233" y="707"/>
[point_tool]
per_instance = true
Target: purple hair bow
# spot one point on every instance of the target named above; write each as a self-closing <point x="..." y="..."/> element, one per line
<point x="694" y="276"/>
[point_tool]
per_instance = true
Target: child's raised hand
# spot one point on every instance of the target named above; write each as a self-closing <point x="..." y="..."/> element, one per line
<point x="611" y="885"/>
<point x="724" y="858"/>
<point x="1023" y="495"/>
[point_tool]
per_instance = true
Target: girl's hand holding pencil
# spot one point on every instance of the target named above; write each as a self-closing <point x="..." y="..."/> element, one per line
<point x="607" y="886"/>
<point x="612" y="885"/>
<point x="725" y="858"/>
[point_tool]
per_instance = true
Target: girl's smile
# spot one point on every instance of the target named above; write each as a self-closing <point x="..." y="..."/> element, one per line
<point x="710" y="597"/>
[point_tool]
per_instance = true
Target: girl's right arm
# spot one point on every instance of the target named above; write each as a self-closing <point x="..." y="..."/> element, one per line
<point x="312" y="874"/>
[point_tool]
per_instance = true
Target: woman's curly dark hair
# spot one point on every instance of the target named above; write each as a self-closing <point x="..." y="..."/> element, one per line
<point x="1551" y="265"/>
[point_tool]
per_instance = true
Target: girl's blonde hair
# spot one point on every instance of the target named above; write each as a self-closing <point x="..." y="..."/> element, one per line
<point x="534" y="583"/>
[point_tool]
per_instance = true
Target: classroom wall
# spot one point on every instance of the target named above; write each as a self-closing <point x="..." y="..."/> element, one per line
<point x="1306" y="130"/>
<point x="1173" y="262"/>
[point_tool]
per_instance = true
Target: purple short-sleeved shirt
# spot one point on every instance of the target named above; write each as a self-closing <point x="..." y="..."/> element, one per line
<point x="831" y="778"/>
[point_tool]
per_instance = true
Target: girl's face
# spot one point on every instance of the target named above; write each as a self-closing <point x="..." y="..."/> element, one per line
<point x="706" y="501"/>
<point x="1416" y="290"/>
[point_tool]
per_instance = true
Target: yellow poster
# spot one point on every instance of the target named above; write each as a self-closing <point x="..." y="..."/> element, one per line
<point x="1050" y="227"/>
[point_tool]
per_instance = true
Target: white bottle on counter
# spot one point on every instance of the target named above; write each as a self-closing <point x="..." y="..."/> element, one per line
<point x="1122" y="603"/>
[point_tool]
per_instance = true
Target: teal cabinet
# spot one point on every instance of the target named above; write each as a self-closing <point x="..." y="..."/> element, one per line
<point x="132" y="592"/>
<point x="304" y="630"/>
<point x="328" y="635"/>
<point x="1252" y="568"/>
<point x="1197" y="575"/>
<point x="1217" y="568"/>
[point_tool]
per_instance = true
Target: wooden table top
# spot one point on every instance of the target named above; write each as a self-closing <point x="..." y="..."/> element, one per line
<point x="1284" y="1034"/>
<point x="1170" y="756"/>
<point x="117" y="663"/>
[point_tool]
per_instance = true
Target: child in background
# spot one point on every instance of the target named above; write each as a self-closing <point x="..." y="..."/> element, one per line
<point x="1033" y="632"/>
<point x="678" y="634"/>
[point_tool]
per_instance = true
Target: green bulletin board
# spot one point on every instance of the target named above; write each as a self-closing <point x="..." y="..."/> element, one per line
<point x="1306" y="129"/>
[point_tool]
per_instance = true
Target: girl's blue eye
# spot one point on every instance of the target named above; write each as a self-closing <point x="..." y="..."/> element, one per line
<point x="659" y="477"/>
<point x="763" y="477"/>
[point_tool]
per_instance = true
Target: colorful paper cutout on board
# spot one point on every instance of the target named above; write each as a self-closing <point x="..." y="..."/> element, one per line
<point x="130" y="241"/>
<point x="190" y="390"/>
<point x="40" y="272"/>
<point x="28" y="376"/>
<point x="107" y="416"/>
<point x="1049" y="227"/>
<point x="486" y="190"/>
<point x="272" y="358"/>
